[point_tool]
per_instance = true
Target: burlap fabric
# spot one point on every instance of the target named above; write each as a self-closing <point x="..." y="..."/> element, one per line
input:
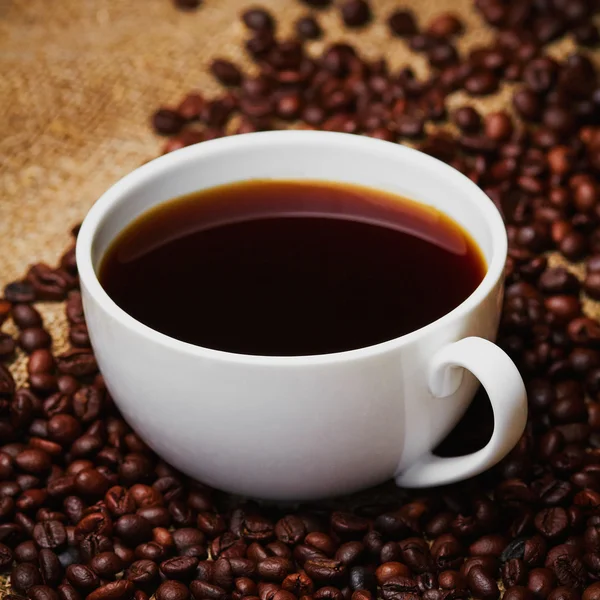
<point x="80" y="78"/>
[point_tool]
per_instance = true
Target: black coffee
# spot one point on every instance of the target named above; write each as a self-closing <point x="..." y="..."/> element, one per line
<point x="290" y="267"/>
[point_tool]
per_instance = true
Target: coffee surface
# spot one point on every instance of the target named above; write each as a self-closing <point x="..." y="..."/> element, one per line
<point x="285" y="268"/>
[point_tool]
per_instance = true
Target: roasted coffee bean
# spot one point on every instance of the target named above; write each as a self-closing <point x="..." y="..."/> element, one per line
<point x="50" y="534"/>
<point x="552" y="522"/>
<point x="203" y="589"/>
<point x="467" y="119"/>
<point x="389" y="570"/>
<point x="19" y="292"/>
<point x="402" y="23"/>
<point x="180" y="568"/>
<point x="350" y="553"/>
<point x="290" y="529"/>
<point x="7" y="346"/>
<point x="488" y="545"/>
<point x="167" y="121"/>
<point x="24" y="576"/>
<point x="482" y="585"/>
<point x="114" y="590"/>
<point x="258" y="19"/>
<point x="321" y="541"/>
<point x="324" y="569"/>
<point x="77" y="362"/>
<point x="308" y="28"/>
<point x="226" y="72"/>
<point x="518" y="592"/>
<point x="50" y="567"/>
<point x="42" y="592"/>
<point x="355" y="13"/>
<point x="540" y="582"/>
<point x="172" y="590"/>
<point x="514" y="573"/>
<point x="106" y="564"/>
<point x="142" y="572"/>
<point x="592" y="592"/>
<point x="397" y="587"/>
<point x="82" y="577"/>
<point x="6" y="558"/>
<point x="33" y="339"/>
<point x="299" y="584"/>
<point x="275" y="568"/>
<point x="481" y="82"/>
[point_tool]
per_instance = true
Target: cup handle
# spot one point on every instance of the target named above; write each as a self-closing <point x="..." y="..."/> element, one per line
<point x="504" y="386"/>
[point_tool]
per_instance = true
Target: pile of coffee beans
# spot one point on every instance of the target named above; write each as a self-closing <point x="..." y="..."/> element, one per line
<point x="88" y="511"/>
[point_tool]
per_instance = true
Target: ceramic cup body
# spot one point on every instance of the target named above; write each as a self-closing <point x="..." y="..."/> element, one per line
<point x="297" y="428"/>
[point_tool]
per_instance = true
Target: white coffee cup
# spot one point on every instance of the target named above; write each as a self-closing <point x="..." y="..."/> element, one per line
<point x="298" y="428"/>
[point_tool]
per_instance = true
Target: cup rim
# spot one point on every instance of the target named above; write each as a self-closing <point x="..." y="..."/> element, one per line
<point x="162" y="165"/>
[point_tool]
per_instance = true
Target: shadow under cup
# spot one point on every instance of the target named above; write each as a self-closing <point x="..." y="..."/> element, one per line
<point x="288" y="427"/>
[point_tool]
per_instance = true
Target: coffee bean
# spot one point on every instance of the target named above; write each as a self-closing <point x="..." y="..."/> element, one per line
<point x="324" y="569"/>
<point x="114" y="590"/>
<point x="402" y="23"/>
<point x="42" y="592"/>
<point x="50" y="567"/>
<point x="514" y="573"/>
<point x="258" y="19"/>
<point x="321" y="541"/>
<point x="540" y="582"/>
<point x="167" y="121"/>
<point x="488" y="545"/>
<point x="77" y="362"/>
<point x="498" y="126"/>
<point x="290" y="529"/>
<point x="142" y="572"/>
<point x="24" y="576"/>
<point x="203" y="589"/>
<point x="467" y="119"/>
<point x="482" y="585"/>
<point x="563" y="593"/>
<point x="350" y="553"/>
<point x="398" y="587"/>
<point x="592" y="592"/>
<point x="133" y="529"/>
<point x="299" y="584"/>
<point x="445" y="25"/>
<point x="19" y="292"/>
<point x="389" y="570"/>
<point x="275" y="568"/>
<point x="308" y="28"/>
<point x="552" y="522"/>
<point x="33" y="461"/>
<point x="7" y="346"/>
<point x="82" y="577"/>
<point x="481" y="83"/>
<point x="226" y="72"/>
<point x="518" y="592"/>
<point x="180" y="568"/>
<point x="50" y="534"/>
<point x="6" y="558"/>
<point x="33" y="339"/>
<point x="106" y="564"/>
<point x="356" y="13"/>
<point x="172" y="590"/>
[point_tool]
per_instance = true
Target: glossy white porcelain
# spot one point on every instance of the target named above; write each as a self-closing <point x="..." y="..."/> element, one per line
<point x="297" y="428"/>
